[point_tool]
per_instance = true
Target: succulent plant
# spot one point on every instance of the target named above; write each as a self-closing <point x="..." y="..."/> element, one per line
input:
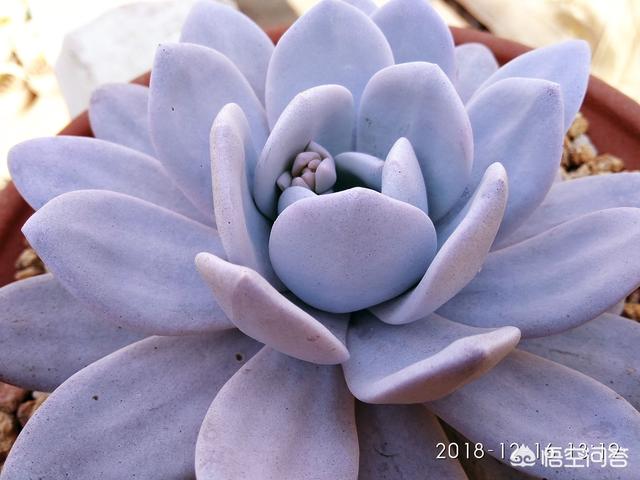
<point x="372" y="213"/>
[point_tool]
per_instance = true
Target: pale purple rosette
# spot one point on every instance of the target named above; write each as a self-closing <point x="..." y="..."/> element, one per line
<point x="372" y="213"/>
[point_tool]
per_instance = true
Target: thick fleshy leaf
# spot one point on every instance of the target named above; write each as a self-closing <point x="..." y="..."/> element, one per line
<point x="568" y="200"/>
<point x="422" y="361"/>
<point x="459" y="258"/>
<point x="46" y="335"/>
<point x="584" y="254"/>
<point x="333" y="43"/>
<point x="323" y="249"/>
<point x="606" y="349"/>
<point x="280" y="418"/>
<point x="400" y="441"/>
<point x="321" y="114"/>
<point x="367" y="6"/>
<point x="189" y="85"/>
<point x="566" y="63"/>
<point x="261" y="312"/>
<point x="529" y="145"/>
<point x="490" y="202"/>
<point x="243" y="230"/>
<point x="475" y="64"/>
<point x="356" y="169"/>
<point x="129" y="260"/>
<point x="402" y="178"/>
<point x="533" y="401"/>
<point x="417" y="101"/>
<point x="136" y="413"/>
<point x="118" y="114"/>
<point x="417" y="33"/>
<point x="233" y="34"/>
<point x="44" y="168"/>
<point x="291" y="195"/>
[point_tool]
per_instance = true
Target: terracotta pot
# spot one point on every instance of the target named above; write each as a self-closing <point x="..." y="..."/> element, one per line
<point x="614" y="119"/>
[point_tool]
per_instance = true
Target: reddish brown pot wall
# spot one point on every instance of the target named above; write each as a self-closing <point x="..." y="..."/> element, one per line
<point x="614" y="119"/>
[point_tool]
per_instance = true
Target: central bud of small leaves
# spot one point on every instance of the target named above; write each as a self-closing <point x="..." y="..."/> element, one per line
<point x="314" y="169"/>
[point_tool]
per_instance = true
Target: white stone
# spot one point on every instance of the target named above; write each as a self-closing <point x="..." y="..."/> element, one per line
<point x="117" y="46"/>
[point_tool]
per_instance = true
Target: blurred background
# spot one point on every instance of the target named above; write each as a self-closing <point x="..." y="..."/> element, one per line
<point x="53" y="53"/>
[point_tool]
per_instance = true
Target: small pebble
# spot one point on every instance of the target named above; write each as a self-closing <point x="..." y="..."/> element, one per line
<point x="8" y="434"/>
<point x="27" y="409"/>
<point x="579" y="126"/>
<point x="632" y="311"/>
<point x="634" y="297"/>
<point x="607" y="163"/>
<point x="580" y="159"/>
<point x="28" y="273"/>
<point x="566" y="162"/>
<point x="582" y="150"/>
<point x="29" y="264"/>
<point x="11" y="397"/>
<point x="27" y="258"/>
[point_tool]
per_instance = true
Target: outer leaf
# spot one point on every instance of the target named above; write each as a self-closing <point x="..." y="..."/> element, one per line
<point x="44" y="168"/>
<point x="529" y="145"/>
<point x="532" y="401"/>
<point x="322" y="249"/>
<point x="606" y="349"/>
<point x="475" y="64"/>
<point x="417" y="33"/>
<point x="460" y="257"/>
<point x="568" y="200"/>
<point x="128" y="260"/>
<point x="322" y="114"/>
<point x="422" y="361"/>
<point x="136" y="413"/>
<point x="332" y="43"/>
<point x="259" y="311"/>
<point x="583" y="253"/>
<point x="118" y="114"/>
<point x="566" y="63"/>
<point x="417" y="101"/>
<point x="233" y="34"/>
<point x="305" y="412"/>
<point x="46" y="335"/>
<point x="189" y="86"/>
<point x="400" y="441"/>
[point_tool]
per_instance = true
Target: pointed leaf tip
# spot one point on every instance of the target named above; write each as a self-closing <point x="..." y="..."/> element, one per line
<point x="261" y="312"/>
